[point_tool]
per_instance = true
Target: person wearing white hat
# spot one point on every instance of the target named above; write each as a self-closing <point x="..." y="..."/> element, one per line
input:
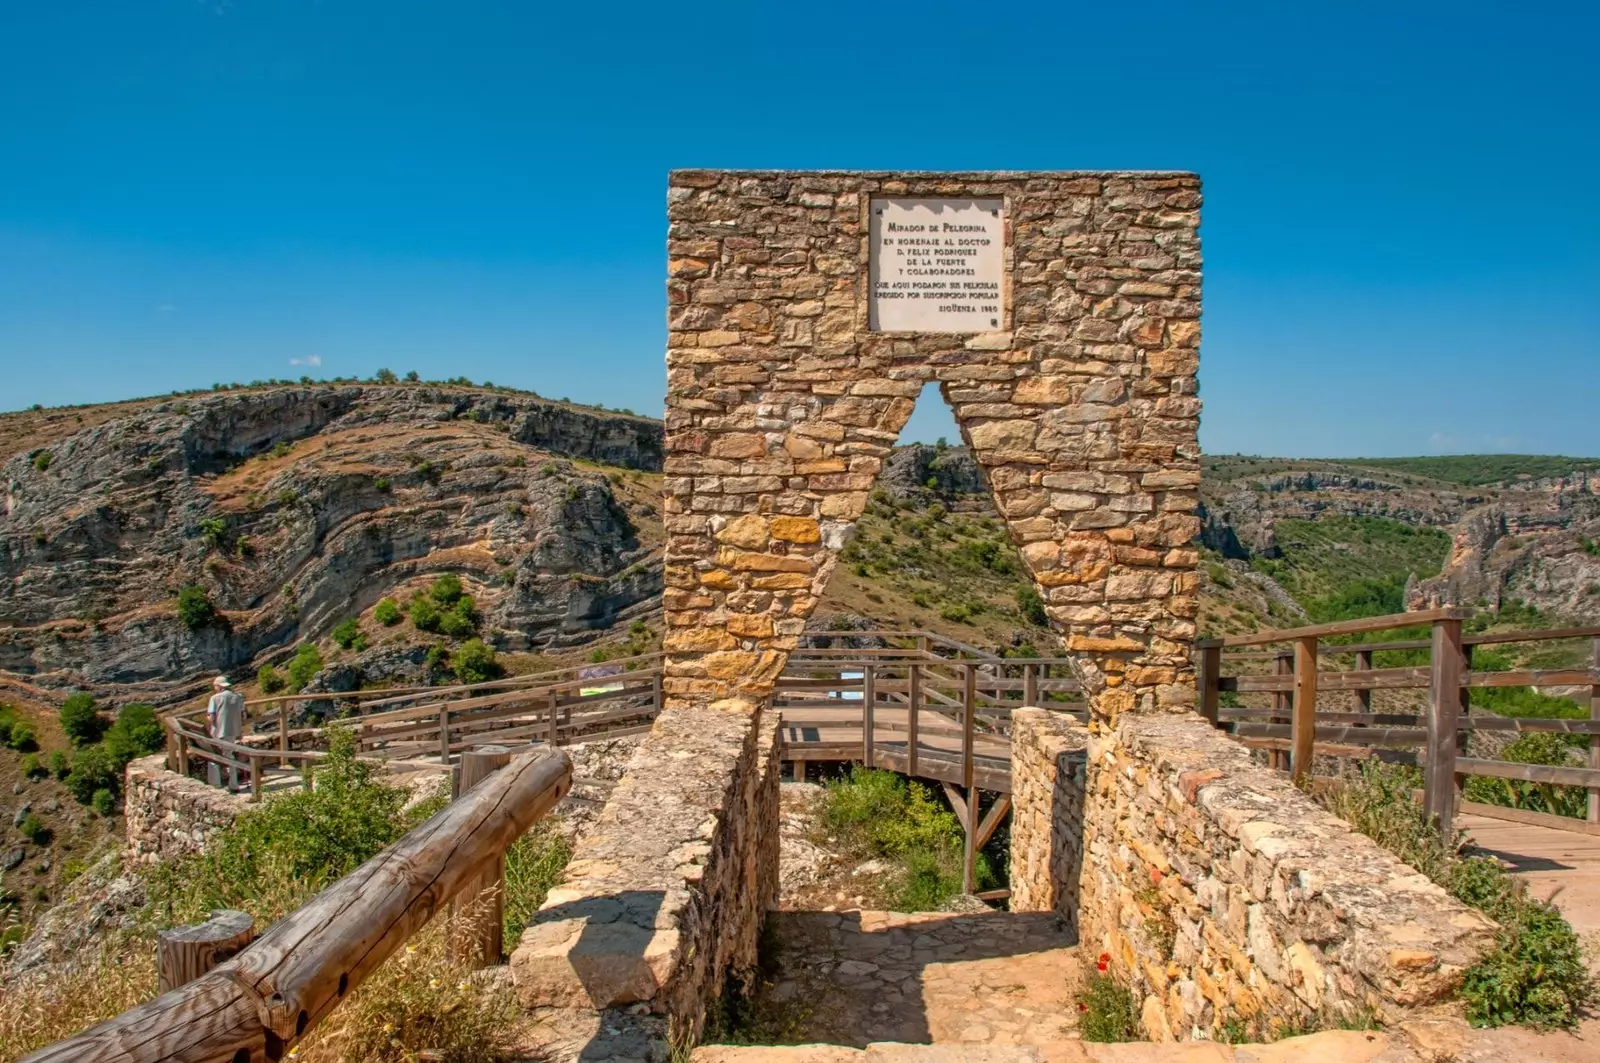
<point x="225" y="714"/>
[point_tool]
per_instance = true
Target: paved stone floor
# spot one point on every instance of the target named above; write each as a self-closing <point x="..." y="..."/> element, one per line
<point x="855" y="977"/>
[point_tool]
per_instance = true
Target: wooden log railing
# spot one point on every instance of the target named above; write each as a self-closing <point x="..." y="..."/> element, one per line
<point x="257" y="1004"/>
<point x="1295" y="725"/>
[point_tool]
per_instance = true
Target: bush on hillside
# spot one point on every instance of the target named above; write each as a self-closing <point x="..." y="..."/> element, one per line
<point x="81" y="719"/>
<point x="104" y="802"/>
<point x="1031" y="606"/>
<point x="271" y="680"/>
<point x="424" y="614"/>
<point x="1535" y="975"/>
<point x="475" y="662"/>
<point x="137" y="732"/>
<point x="446" y="589"/>
<point x="347" y="633"/>
<point x="195" y="608"/>
<point x="16" y="733"/>
<point x="93" y="768"/>
<point x="387" y="612"/>
<point x="303" y="666"/>
<point x="60" y="764"/>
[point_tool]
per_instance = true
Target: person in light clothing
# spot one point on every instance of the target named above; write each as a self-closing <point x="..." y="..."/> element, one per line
<point x="225" y="715"/>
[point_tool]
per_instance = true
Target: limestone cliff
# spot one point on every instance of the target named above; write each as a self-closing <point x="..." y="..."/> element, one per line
<point x="294" y="507"/>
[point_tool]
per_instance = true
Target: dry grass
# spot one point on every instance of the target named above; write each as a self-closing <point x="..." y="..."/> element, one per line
<point x="420" y="1002"/>
<point x="41" y="1009"/>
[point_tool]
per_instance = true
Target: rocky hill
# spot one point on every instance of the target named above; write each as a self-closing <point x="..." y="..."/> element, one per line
<point x="285" y="511"/>
<point x="280" y="513"/>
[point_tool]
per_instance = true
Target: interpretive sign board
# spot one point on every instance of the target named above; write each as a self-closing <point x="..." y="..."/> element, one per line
<point x="936" y="265"/>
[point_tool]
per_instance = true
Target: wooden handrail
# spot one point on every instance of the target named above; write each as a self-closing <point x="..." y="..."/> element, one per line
<point x="1339" y="627"/>
<point x="259" y="1003"/>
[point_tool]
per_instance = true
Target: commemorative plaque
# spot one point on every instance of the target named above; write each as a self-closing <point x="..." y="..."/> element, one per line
<point x="936" y="265"/>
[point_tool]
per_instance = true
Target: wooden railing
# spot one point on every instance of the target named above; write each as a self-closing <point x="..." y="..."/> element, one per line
<point x="1434" y="733"/>
<point x="257" y="1004"/>
<point x="421" y="724"/>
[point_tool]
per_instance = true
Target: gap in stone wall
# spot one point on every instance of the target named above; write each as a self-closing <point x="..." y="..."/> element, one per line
<point x="932" y="553"/>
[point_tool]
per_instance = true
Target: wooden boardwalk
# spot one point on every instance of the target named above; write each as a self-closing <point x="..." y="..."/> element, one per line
<point x="1559" y="865"/>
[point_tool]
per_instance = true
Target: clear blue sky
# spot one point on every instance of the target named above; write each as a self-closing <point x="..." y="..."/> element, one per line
<point x="1402" y="245"/>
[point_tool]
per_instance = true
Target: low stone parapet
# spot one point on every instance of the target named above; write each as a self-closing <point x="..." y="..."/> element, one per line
<point x="1217" y="889"/>
<point x="168" y="815"/>
<point x="664" y="899"/>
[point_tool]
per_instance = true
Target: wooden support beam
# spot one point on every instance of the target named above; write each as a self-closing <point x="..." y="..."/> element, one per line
<point x="1304" y="723"/>
<point x="1030" y="684"/>
<point x="969" y="861"/>
<point x="1283" y="701"/>
<point x="1210" y="671"/>
<point x="913" y="708"/>
<point x="185" y="953"/>
<point x="869" y="697"/>
<point x="1594" y="740"/>
<point x="992" y="818"/>
<point x="957" y="802"/>
<point x="1445" y="669"/>
<point x="444" y="733"/>
<point x="969" y="704"/>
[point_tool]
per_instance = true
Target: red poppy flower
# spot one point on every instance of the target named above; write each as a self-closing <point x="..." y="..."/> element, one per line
<point x="1105" y="957"/>
<point x="1082" y="1006"/>
<point x="1101" y="967"/>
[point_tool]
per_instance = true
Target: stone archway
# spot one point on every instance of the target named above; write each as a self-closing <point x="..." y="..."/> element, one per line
<point x="1081" y="408"/>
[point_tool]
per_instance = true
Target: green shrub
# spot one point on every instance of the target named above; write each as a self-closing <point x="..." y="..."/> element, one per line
<point x="33" y="829"/>
<point x="533" y="866"/>
<point x="290" y="847"/>
<point x="387" y="612"/>
<point x="60" y="764"/>
<point x="1535" y="975"/>
<point x="195" y="608"/>
<point x="271" y="680"/>
<point x="137" y="732"/>
<point x="347" y="633"/>
<point x="424" y="614"/>
<point x="455" y="625"/>
<point x="32" y="768"/>
<point x="380" y="483"/>
<point x="303" y="666"/>
<point x="446" y="590"/>
<point x="1106" y="1010"/>
<point x="214" y="530"/>
<point x="81" y="719"/>
<point x="42" y="460"/>
<point x="878" y="814"/>
<point x="475" y="662"/>
<point x="15" y="733"/>
<point x="104" y="802"/>
<point x="1032" y="607"/>
<point x="92" y="769"/>
<point x="1535" y="747"/>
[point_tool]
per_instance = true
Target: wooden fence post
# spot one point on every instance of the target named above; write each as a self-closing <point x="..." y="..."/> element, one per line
<point x="255" y="775"/>
<point x="913" y="704"/>
<point x="1444" y="706"/>
<point x="555" y="713"/>
<point x="1282" y="701"/>
<point x="1594" y="739"/>
<point x="1364" y="663"/>
<point x="1210" y="674"/>
<point x="184" y="953"/>
<point x="969" y="853"/>
<point x="1303" y="724"/>
<point x="1030" y="686"/>
<point x="969" y="707"/>
<point x="283" y="734"/>
<point x="482" y="940"/>
<point x="444" y="733"/>
<point x="869" y="695"/>
<point x="655" y="688"/>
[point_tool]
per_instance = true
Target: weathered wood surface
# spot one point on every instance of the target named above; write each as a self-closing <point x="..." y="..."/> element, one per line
<point x="185" y="953"/>
<point x="256" y="1004"/>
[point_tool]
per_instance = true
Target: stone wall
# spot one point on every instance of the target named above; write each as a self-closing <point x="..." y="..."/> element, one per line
<point x="1048" y="753"/>
<point x="169" y="815"/>
<point x="664" y="899"/>
<point x="1081" y="410"/>
<point x="1219" y="891"/>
